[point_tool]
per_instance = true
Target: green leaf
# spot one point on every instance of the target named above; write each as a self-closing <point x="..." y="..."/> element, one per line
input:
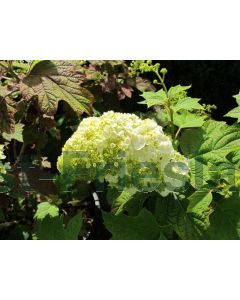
<point x="173" y="212"/>
<point x="73" y="227"/>
<point x="50" y="229"/>
<point x="234" y="113"/>
<point x="177" y="90"/>
<point x="121" y="201"/>
<point x="225" y="221"/>
<point x="187" y="103"/>
<point x="187" y="120"/>
<point x="208" y="146"/>
<point x="136" y="203"/>
<point x="141" y="227"/>
<point x="199" y="201"/>
<point x="131" y="203"/>
<point x="46" y="208"/>
<point x="154" y="98"/>
<point x="237" y="97"/>
<point x="200" y="172"/>
<point x="52" y="81"/>
<point x="16" y="135"/>
<point x="212" y="142"/>
<point x="234" y="157"/>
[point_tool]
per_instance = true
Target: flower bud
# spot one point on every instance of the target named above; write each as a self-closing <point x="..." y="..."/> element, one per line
<point x="163" y="71"/>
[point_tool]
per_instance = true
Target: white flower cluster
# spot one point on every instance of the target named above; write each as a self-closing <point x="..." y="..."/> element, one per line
<point x="124" y="150"/>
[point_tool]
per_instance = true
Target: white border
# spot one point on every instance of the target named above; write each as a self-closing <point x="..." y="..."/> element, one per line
<point x="123" y="29"/>
<point x="119" y="270"/>
<point x="107" y="29"/>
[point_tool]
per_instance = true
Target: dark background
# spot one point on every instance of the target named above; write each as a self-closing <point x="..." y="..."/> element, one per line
<point x="214" y="81"/>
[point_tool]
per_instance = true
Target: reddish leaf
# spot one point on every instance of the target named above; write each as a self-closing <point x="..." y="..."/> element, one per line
<point x="7" y="122"/>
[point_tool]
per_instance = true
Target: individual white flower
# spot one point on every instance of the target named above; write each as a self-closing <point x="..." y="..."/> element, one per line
<point x="122" y="149"/>
<point x="138" y="141"/>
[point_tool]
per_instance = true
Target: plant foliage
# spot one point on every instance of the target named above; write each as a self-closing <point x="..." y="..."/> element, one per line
<point x="122" y="116"/>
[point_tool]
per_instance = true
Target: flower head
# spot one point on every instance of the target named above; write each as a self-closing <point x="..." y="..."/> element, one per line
<point x="124" y="150"/>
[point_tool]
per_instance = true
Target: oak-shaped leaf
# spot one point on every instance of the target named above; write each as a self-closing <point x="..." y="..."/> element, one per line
<point x="52" y="81"/>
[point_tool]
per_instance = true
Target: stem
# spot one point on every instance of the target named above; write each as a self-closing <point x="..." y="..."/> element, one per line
<point x="20" y="155"/>
<point x="162" y="83"/>
<point x="179" y="129"/>
<point x="168" y="103"/>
